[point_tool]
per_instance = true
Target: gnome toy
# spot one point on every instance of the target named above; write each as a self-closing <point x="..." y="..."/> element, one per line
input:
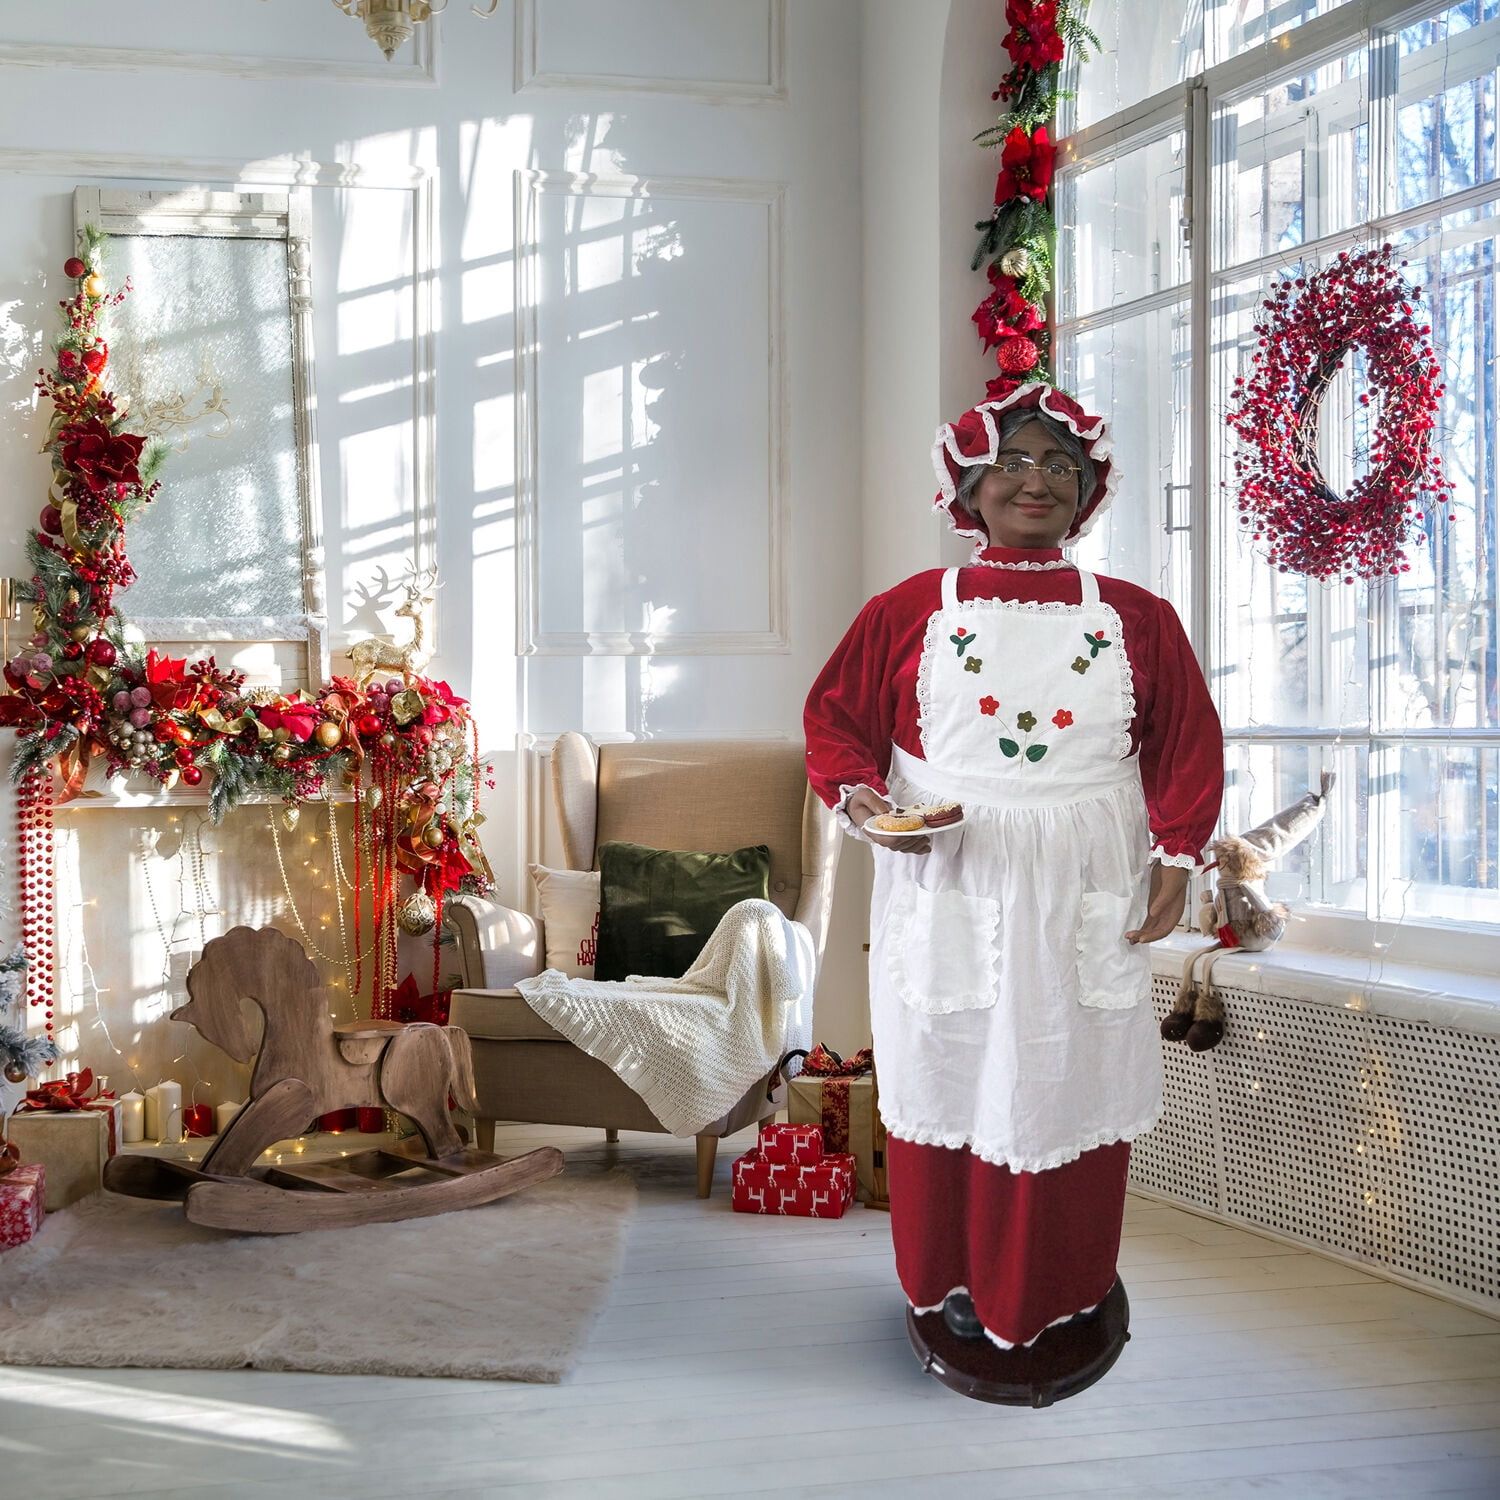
<point x="1238" y="913"/>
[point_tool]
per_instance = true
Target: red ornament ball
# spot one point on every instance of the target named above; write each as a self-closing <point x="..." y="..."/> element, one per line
<point x="101" y="652"/>
<point x="73" y="651"/>
<point x="192" y="775"/>
<point x="368" y="724"/>
<point x="1017" y="355"/>
<point x="74" y="267"/>
<point x="51" y="520"/>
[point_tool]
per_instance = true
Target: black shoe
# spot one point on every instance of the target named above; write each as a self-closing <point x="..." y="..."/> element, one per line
<point x="960" y="1318"/>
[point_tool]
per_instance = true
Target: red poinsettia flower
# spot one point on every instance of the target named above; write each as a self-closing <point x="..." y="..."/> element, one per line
<point x="1032" y="38"/>
<point x="988" y="705"/>
<point x="18" y="712"/>
<point x="1005" y="312"/>
<point x="298" y="718"/>
<point x="98" y="458"/>
<point x="166" y="676"/>
<point x="1062" y="718"/>
<point x="1025" y="166"/>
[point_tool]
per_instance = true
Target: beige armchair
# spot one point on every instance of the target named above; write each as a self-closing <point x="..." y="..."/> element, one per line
<point x="711" y="795"/>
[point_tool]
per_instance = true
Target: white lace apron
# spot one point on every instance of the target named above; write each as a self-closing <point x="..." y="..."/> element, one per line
<point x="1009" y="1013"/>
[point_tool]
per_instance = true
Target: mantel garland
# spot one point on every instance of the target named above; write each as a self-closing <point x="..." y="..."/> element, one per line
<point x="81" y="689"/>
<point x="1019" y="234"/>
<point x="1360" y="303"/>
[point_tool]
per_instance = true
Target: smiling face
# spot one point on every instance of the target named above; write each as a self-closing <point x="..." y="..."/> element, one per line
<point x="1025" y="510"/>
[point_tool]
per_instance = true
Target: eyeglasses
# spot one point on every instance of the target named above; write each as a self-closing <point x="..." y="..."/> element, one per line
<point x="1059" y="475"/>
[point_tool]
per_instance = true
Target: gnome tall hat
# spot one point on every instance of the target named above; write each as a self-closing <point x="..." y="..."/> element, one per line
<point x="975" y="439"/>
<point x="1281" y="834"/>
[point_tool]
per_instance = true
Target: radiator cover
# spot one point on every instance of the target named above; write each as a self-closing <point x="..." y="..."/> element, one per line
<point x="1374" y="1138"/>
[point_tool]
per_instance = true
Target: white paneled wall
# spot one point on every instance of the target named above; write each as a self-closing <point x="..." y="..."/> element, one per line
<point x="587" y="297"/>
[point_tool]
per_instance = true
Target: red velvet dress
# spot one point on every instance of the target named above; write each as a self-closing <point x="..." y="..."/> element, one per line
<point x="1031" y="1232"/>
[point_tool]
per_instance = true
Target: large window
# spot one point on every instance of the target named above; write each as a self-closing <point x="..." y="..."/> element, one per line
<point x="1312" y="127"/>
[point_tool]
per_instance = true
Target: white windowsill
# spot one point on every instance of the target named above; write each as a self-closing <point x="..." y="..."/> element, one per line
<point x="1412" y="992"/>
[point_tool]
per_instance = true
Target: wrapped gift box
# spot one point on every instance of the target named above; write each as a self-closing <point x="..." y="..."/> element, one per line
<point x="73" y="1145"/>
<point x="847" y="1112"/>
<point x="23" y="1195"/>
<point x="791" y="1145"/>
<point x="822" y="1190"/>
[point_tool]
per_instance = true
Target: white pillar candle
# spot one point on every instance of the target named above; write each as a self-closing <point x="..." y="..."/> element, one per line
<point x="132" y="1118"/>
<point x="224" y="1116"/>
<point x="164" y="1112"/>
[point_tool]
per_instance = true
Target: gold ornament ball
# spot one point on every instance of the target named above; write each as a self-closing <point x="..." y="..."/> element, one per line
<point x="432" y="836"/>
<point x="417" y="914"/>
<point x="387" y="740"/>
<point x="15" y="1073"/>
<point x="82" y="632"/>
<point x="281" y="754"/>
<point x="94" y="285"/>
<point x="329" y="734"/>
<point x="1016" y="261"/>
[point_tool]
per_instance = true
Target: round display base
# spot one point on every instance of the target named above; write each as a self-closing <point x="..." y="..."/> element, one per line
<point x="1065" y="1360"/>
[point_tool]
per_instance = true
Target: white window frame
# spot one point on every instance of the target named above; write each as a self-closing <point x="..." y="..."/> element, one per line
<point x="1189" y="109"/>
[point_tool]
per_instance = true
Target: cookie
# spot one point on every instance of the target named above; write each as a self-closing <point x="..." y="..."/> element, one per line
<point x="940" y="814"/>
<point x="896" y="823"/>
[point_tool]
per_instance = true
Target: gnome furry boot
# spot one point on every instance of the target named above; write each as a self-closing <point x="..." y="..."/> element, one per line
<point x="960" y="1317"/>
<point x="1197" y="1014"/>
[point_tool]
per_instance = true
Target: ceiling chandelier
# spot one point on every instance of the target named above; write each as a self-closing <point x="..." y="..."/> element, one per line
<point x="392" y="22"/>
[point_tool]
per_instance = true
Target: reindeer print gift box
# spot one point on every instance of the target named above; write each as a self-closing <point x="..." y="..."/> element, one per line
<point x="822" y="1190"/>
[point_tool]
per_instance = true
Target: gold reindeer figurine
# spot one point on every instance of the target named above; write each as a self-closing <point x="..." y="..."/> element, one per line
<point x="378" y="653"/>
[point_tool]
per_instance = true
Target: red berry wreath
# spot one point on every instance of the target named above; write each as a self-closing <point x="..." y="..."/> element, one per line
<point x="1360" y="302"/>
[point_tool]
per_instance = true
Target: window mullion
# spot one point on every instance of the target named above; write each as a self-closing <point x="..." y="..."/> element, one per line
<point x="1198" y="213"/>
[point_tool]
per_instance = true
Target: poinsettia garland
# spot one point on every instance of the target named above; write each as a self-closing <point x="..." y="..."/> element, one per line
<point x="1019" y="233"/>
<point x="1360" y="303"/>
<point x="82" y="689"/>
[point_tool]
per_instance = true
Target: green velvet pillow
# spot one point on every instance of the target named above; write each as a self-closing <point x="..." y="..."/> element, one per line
<point x="658" y="907"/>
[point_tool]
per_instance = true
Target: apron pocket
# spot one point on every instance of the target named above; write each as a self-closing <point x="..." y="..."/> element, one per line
<point x="942" y="950"/>
<point x="1112" y="973"/>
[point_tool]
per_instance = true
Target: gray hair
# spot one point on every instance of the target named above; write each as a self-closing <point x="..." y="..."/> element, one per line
<point x="1063" y="437"/>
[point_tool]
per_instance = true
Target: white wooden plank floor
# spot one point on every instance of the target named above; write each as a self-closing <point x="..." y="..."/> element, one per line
<point x="743" y="1355"/>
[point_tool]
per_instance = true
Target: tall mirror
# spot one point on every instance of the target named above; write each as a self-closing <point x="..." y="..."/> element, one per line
<point x="211" y="352"/>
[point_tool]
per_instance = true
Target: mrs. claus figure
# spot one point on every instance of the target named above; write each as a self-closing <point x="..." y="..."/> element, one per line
<point x="1009" y="979"/>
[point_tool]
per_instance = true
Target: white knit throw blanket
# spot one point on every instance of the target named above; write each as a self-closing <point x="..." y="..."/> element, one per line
<point x="691" y="1047"/>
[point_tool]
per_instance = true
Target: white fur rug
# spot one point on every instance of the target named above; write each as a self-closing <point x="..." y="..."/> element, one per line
<point x="503" y="1292"/>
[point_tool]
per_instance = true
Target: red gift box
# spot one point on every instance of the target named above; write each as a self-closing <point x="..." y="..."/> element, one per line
<point x="23" y="1197"/>
<point x="791" y="1145"/>
<point x="819" y="1190"/>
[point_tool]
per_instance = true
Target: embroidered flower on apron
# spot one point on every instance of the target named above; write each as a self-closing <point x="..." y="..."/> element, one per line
<point x="1009" y="1013"/>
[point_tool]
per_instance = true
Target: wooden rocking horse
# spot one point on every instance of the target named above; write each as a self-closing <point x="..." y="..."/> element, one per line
<point x="308" y="1067"/>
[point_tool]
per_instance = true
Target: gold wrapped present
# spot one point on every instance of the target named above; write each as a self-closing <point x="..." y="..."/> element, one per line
<point x="844" y="1099"/>
<point x="73" y="1145"/>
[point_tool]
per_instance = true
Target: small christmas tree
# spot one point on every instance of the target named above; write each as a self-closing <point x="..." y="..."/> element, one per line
<point x="21" y="1056"/>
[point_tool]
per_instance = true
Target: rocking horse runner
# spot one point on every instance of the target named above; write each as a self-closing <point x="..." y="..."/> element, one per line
<point x="308" y="1067"/>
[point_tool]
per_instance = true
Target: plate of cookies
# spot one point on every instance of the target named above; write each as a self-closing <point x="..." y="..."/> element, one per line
<point x="922" y="818"/>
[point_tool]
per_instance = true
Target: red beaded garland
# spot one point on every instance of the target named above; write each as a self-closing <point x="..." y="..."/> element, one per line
<point x="1360" y="302"/>
<point x="34" y="867"/>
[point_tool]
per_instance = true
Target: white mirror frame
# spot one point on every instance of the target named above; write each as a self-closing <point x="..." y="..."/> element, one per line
<point x="245" y="215"/>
